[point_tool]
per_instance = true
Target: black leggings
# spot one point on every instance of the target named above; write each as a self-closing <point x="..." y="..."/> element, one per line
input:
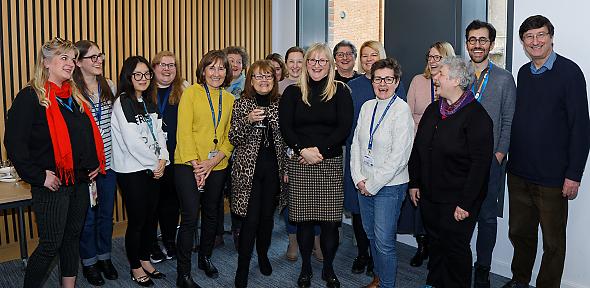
<point x="329" y="240"/>
<point x="140" y="192"/>
<point x="60" y="217"/>
<point x="167" y="211"/>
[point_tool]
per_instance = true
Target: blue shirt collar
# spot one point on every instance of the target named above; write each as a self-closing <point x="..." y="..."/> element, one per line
<point x="548" y="65"/>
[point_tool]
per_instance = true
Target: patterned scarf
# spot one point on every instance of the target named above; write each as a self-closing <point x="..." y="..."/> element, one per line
<point x="60" y="137"/>
<point x="447" y="109"/>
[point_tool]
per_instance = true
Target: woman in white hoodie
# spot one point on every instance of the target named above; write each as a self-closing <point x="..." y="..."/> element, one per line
<point x="380" y="152"/>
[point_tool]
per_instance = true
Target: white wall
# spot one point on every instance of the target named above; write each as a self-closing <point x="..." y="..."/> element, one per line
<point x="569" y="41"/>
<point x="284" y="24"/>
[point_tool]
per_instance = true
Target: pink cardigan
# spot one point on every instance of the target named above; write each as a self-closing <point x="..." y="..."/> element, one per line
<point x="418" y="97"/>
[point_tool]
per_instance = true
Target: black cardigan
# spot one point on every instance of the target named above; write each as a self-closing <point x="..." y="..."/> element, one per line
<point x="28" y="142"/>
<point x="323" y="124"/>
<point x="450" y="160"/>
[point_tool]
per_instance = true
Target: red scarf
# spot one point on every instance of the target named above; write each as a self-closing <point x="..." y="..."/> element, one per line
<point x="60" y="137"/>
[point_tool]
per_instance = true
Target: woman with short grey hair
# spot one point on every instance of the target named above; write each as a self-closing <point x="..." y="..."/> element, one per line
<point x="448" y="168"/>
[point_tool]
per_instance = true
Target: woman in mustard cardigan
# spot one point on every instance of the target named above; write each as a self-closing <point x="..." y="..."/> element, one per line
<point x="201" y="157"/>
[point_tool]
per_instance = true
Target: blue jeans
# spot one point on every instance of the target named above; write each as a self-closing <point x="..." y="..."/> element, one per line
<point x="380" y="214"/>
<point x="97" y="234"/>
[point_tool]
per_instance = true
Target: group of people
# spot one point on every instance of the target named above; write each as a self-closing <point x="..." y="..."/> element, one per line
<point x="279" y="134"/>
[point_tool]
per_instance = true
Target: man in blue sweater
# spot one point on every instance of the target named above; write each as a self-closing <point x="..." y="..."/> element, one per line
<point x="494" y="88"/>
<point x="548" y="153"/>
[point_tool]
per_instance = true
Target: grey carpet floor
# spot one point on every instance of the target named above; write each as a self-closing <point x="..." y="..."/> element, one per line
<point x="284" y="274"/>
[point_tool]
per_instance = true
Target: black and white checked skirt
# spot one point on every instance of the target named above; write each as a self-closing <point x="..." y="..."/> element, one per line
<point x="316" y="192"/>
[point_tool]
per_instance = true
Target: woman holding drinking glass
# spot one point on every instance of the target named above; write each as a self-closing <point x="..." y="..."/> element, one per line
<point x="259" y="160"/>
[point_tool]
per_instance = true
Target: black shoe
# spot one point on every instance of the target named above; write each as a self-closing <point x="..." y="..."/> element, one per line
<point x="206" y="265"/>
<point x="170" y="252"/>
<point x="154" y="274"/>
<point x="92" y="275"/>
<point x="107" y="269"/>
<point x="143" y="281"/>
<point x="515" y="284"/>
<point x="481" y="277"/>
<point x="370" y="266"/>
<point x="186" y="281"/>
<point x="241" y="279"/>
<point x="264" y="265"/>
<point x="421" y="251"/>
<point x="331" y="280"/>
<point x="156" y="255"/>
<point x="304" y="280"/>
<point x="359" y="264"/>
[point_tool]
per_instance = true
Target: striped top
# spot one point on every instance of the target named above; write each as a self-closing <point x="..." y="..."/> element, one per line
<point x="103" y="121"/>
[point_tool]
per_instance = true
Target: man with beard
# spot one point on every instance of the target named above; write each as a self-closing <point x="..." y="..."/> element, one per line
<point x="494" y="88"/>
<point x="345" y="56"/>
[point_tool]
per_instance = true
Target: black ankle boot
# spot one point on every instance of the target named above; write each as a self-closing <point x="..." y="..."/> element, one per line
<point x="92" y="275"/>
<point x="370" y="267"/>
<point x="421" y="251"/>
<point x="264" y="265"/>
<point x="206" y="265"/>
<point x="359" y="264"/>
<point x="482" y="276"/>
<point x="186" y="281"/>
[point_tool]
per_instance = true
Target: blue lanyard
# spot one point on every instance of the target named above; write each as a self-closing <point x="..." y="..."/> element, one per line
<point x="164" y="103"/>
<point x="486" y="77"/>
<point x="98" y="114"/>
<point x="371" y="131"/>
<point x="215" y="123"/>
<point x="68" y="105"/>
<point x="431" y="90"/>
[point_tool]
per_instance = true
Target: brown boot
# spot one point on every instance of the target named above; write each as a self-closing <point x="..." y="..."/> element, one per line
<point x="292" y="248"/>
<point x="374" y="283"/>
<point x="317" y="250"/>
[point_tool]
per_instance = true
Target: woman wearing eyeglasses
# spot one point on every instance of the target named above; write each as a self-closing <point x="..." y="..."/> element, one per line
<point x="421" y="93"/>
<point x="139" y="158"/>
<point x="259" y="160"/>
<point x="379" y="157"/>
<point x="315" y="119"/>
<point x="56" y="147"/>
<point x="201" y="159"/>
<point x="170" y="86"/>
<point x="95" y="240"/>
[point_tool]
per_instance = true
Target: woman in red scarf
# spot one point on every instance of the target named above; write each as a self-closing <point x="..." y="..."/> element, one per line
<point x="57" y="148"/>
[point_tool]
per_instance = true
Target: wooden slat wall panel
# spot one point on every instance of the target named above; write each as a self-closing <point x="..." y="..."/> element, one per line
<point x="122" y="29"/>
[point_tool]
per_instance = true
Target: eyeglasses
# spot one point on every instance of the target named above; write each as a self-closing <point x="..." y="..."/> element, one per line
<point x="263" y="76"/>
<point x="436" y="58"/>
<point x="531" y="37"/>
<point x="138" y="75"/>
<point x="481" y="40"/>
<point x="344" y="54"/>
<point x="170" y="66"/>
<point x="321" y="62"/>
<point x="95" y="57"/>
<point x="388" y="80"/>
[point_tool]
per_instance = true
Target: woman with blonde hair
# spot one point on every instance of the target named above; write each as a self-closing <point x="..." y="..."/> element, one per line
<point x="315" y="119"/>
<point x="56" y="147"/>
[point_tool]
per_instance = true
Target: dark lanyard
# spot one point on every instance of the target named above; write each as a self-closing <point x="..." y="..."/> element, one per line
<point x="98" y="114"/>
<point x="68" y="105"/>
<point x="151" y="126"/>
<point x="215" y="123"/>
<point x="431" y="90"/>
<point x="479" y="93"/>
<point x="371" y="131"/>
<point x="164" y="103"/>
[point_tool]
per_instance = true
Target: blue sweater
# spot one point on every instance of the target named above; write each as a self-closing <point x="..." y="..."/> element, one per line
<point x="169" y="120"/>
<point x="551" y="128"/>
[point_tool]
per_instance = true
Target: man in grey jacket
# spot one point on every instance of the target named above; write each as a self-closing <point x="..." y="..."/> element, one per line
<point x="494" y="88"/>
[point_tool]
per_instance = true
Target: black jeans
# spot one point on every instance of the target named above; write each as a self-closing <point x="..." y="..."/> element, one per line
<point x="140" y="192"/>
<point x="258" y="224"/>
<point x="189" y="198"/>
<point x="167" y="211"/>
<point x="60" y="217"/>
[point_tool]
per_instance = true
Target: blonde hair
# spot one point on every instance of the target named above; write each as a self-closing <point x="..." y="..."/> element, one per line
<point x="177" y="83"/>
<point x="330" y="89"/>
<point x="50" y="49"/>
<point x="375" y="45"/>
<point x="444" y="48"/>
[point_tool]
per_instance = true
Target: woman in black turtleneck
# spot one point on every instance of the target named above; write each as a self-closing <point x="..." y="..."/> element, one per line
<point x="259" y="156"/>
<point x="315" y="118"/>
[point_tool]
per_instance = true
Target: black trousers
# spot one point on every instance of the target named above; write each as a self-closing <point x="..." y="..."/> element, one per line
<point x="140" y="192"/>
<point x="258" y="224"/>
<point x="168" y="210"/>
<point x="60" y="217"/>
<point x="450" y="253"/>
<point x="189" y="198"/>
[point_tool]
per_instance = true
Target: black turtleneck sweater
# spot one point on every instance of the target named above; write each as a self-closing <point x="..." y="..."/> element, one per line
<point x="323" y="124"/>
